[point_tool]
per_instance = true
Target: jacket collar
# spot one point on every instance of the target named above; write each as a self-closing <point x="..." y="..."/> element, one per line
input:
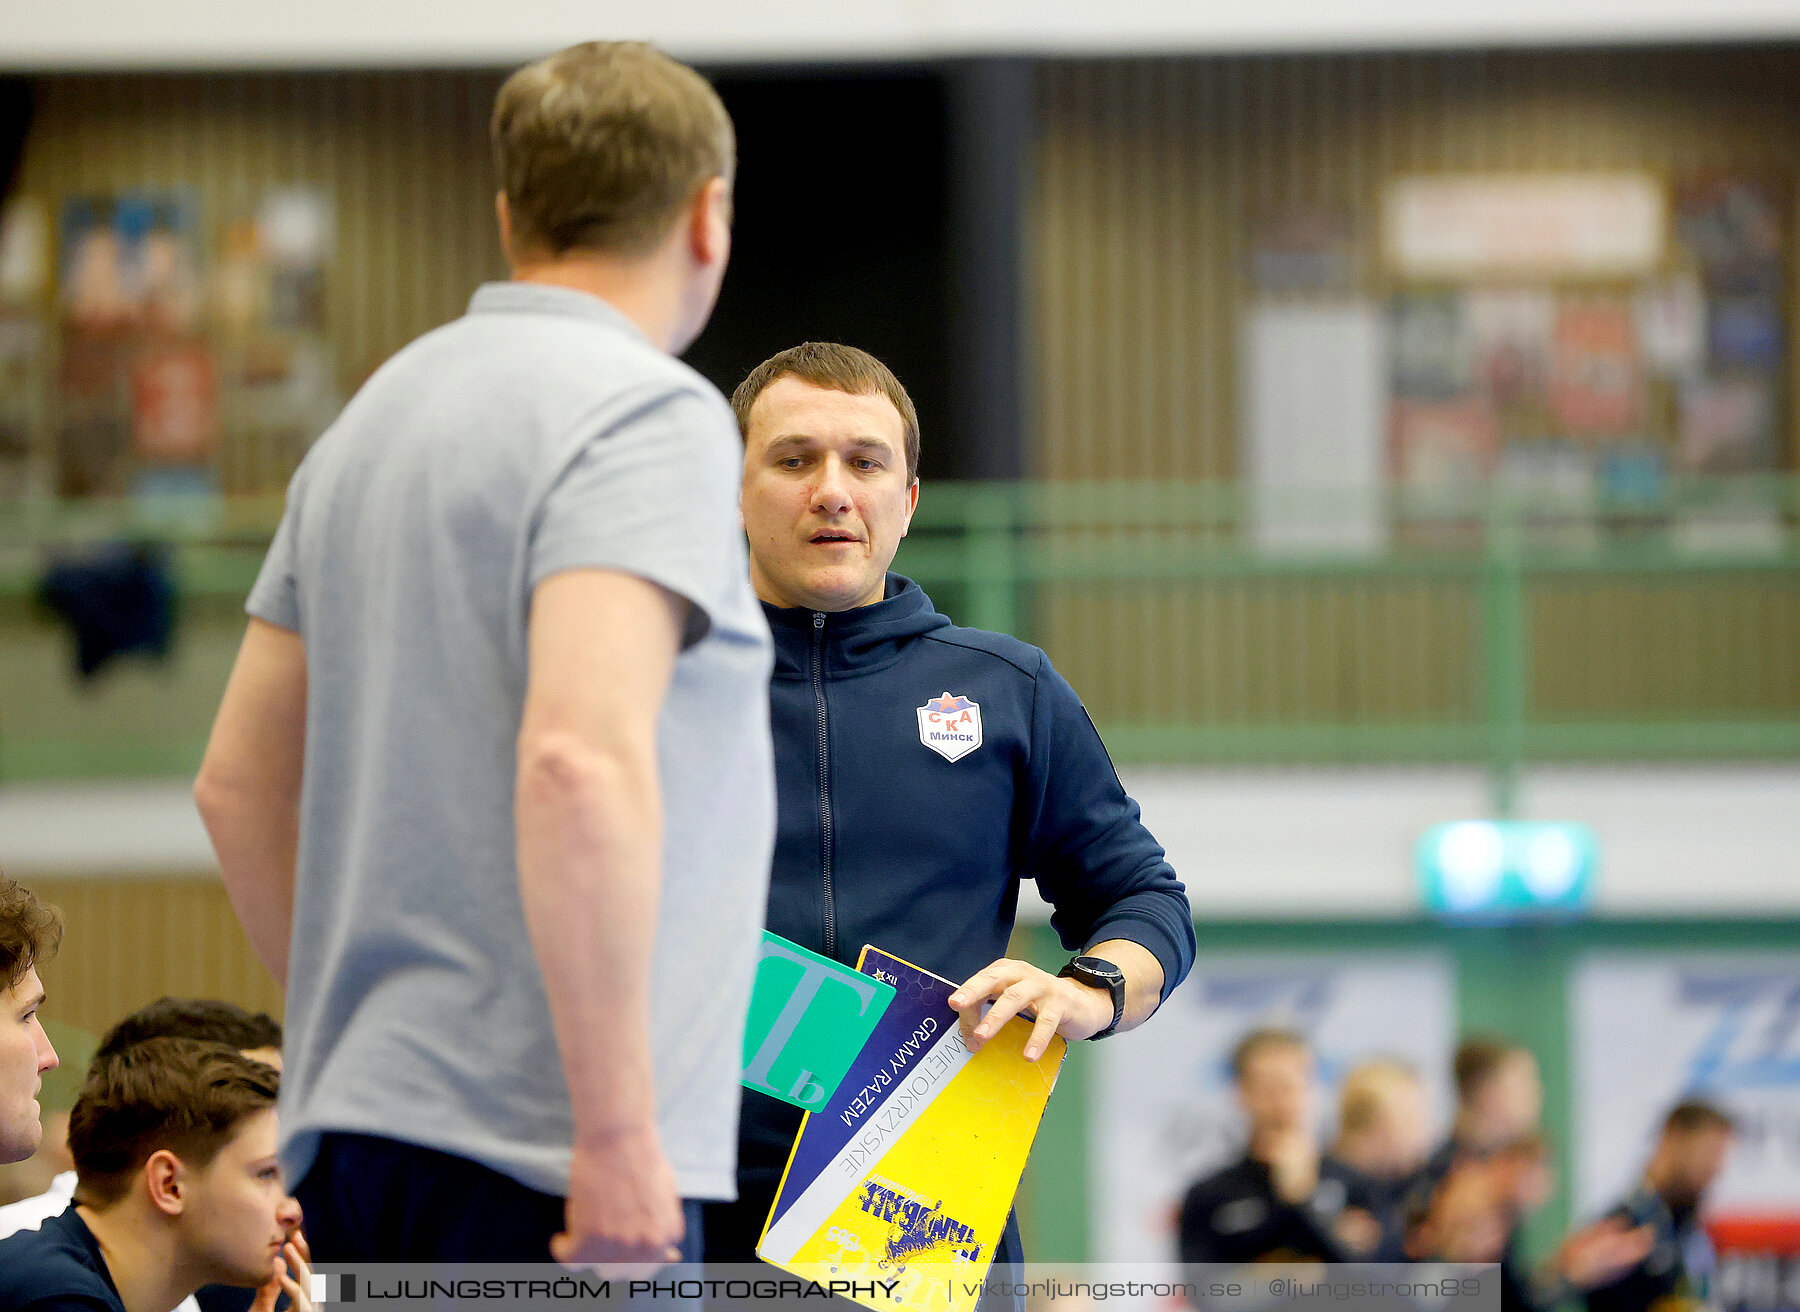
<point x="855" y="641"/>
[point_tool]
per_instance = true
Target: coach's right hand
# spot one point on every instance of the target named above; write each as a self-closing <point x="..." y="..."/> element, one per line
<point x="623" y="1205"/>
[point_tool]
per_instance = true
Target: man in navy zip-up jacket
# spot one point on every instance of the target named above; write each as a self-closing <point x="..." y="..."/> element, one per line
<point x="922" y="769"/>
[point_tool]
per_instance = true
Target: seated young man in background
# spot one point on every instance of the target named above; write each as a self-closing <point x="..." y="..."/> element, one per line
<point x="29" y="933"/>
<point x="255" y="1034"/>
<point x="178" y="1186"/>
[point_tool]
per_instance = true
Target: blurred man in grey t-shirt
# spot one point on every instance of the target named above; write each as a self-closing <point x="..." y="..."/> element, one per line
<point x="491" y="783"/>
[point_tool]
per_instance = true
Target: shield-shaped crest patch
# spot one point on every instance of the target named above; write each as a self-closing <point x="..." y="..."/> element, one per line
<point x="950" y="726"/>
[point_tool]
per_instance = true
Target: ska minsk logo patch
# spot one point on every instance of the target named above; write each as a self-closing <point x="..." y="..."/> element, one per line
<point x="950" y="726"/>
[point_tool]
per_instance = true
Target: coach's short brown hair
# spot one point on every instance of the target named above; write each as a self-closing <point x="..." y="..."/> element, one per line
<point x="597" y="147"/>
<point x="182" y="1095"/>
<point x="840" y="369"/>
<point x="30" y="932"/>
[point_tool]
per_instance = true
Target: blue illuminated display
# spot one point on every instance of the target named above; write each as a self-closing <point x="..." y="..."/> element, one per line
<point x="1507" y="869"/>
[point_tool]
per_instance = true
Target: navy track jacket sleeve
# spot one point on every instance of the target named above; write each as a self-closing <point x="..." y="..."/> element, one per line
<point x="1083" y="841"/>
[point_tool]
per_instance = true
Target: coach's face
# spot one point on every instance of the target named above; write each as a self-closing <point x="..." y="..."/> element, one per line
<point x="25" y="1054"/>
<point x="826" y="496"/>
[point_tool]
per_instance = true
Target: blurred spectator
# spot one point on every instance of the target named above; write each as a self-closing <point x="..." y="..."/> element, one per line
<point x="1674" y="1274"/>
<point x="1464" y="1219"/>
<point x="179" y="1185"/>
<point x="1496" y="1152"/>
<point x="1383" y="1135"/>
<point x="1383" y="1120"/>
<point x="1474" y="1212"/>
<point x="1283" y="1200"/>
<point x="29" y="933"/>
<point x="1499" y="1100"/>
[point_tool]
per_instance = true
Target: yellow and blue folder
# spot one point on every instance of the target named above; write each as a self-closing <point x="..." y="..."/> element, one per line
<point x="901" y="1182"/>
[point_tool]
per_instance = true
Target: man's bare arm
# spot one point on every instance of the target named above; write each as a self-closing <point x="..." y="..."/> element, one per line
<point x="589" y="814"/>
<point x="248" y="790"/>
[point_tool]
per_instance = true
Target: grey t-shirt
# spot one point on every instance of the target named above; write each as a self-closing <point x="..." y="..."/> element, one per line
<point x="540" y="432"/>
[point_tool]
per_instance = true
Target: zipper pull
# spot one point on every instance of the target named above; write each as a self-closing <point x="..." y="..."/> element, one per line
<point x="818" y="619"/>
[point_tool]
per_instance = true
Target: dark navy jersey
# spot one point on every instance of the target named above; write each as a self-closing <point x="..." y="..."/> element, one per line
<point x="1235" y="1215"/>
<point x="56" y="1268"/>
<point x="1674" y="1274"/>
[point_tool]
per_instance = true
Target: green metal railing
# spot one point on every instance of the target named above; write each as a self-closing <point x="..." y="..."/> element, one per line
<point x="216" y="544"/>
<point x="1520" y="589"/>
<point x="1492" y="630"/>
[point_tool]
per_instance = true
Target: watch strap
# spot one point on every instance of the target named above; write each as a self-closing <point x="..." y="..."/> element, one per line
<point x="1114" y="985"/>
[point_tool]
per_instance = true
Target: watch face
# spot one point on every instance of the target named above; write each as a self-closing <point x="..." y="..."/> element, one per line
<point x="1097" y="972"/>
<point x="1099" y="967"/>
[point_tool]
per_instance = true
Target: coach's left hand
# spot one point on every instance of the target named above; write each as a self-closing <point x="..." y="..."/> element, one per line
<point x="1058" y="1005"/>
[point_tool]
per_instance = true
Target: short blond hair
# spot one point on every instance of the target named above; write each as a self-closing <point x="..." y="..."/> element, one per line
<point x="1368" y="1089"/>
<point x="598" y="147"/>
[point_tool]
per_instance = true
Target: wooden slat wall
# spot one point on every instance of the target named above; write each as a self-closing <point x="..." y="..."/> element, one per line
<point x="1291" y="650"/>
<point x="1268" y="651"/>
<point x="1724" y="646"/>
<point x="1149" y="173"/>
<point x="130" y="941"/>
<point x="403" y="156"/>
<point x="1147" y="178"/>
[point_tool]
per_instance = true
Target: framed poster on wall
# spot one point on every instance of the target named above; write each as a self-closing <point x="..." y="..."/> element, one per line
<point x="1531" y="225"/>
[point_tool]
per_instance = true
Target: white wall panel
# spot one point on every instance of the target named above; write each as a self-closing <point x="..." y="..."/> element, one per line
<point x="94" y="34"/>
<point x="1318" y="844"/>
<point x="1252" y="844"/>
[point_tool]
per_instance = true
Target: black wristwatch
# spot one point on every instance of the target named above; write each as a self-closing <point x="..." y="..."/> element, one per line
<point x="1099" y="973"/>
